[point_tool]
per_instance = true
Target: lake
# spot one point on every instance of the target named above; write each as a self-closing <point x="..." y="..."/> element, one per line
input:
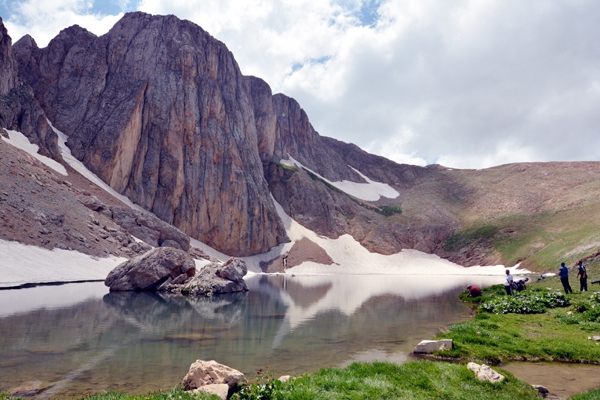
<point x="78" y="339"/>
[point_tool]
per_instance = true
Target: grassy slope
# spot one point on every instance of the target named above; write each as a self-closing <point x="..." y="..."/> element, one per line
<point x="535" y="213"/>
<point x="554" y="335"/>
<point x="416" y="380"/>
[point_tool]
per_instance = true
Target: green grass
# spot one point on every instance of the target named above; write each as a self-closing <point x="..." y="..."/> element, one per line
<point x="540" y="241"/>
<point x="415" y="380"/>
<point x="175" y="394"/>
<point x="379" y="380"/>
<point x="591" y="395"/>
<point x="470" y="235"/>
<point x="559" y="334"/>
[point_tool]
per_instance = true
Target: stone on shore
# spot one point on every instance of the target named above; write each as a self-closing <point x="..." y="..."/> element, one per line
<point x="219" y="389"/>
<point x="203" y="373"/>
<point x="429" y="346"/>
<point x="485" y="373"/>
<point x="150" y="270"/>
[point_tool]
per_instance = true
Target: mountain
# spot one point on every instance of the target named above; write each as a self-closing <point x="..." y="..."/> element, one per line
<point x="160" y="111"/>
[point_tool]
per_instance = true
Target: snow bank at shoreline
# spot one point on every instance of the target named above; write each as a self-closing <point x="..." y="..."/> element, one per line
<point x="22" y="264"/>
<point x="350" y="257"/>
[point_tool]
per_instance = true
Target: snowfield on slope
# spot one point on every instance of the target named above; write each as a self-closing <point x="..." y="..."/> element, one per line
<point x="350" y="257"/>
<point x="370" y="191"/>
<point x="21" y="264"/>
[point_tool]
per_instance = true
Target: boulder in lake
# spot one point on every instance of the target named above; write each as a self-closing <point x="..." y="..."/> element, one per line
<point x="151" y="270"/>
<point x="216" y="278"/>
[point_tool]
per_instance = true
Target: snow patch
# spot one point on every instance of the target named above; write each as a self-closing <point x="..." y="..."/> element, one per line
<point x="20" y="141"/>
<point x="350" y="257"/>
<point x="21" y="264"/>
<point x="370" y="191"/>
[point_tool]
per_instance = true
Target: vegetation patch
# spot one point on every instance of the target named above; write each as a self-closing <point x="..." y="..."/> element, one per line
<point x="469" y="237"/>
<point x="540" y="324"/>
<point x="415" y="380"/>
<point x="533" y="302"/>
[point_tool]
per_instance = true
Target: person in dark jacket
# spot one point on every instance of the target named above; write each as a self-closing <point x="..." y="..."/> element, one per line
<point x="582" y="275"/>
<point x="521" y="284"/>
<point x="564" y="278"/>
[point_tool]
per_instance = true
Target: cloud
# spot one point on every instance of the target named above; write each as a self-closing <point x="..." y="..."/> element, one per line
<point x="43" y="20"/>
<point x="468" y="83"/>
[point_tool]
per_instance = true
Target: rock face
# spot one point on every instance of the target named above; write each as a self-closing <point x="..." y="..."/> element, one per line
<point x="164" y="115"/>
<point x="160" y="111"/>
<point x="150" y="270"/>
<point x="215" y="278"/>
<point x="19" y="110"/>
<point x="150" y="229"/>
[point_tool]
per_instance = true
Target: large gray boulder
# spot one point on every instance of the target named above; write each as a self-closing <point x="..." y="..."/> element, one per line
<point x="204" y="373"/>
<point x="217" y="278"/>
<point x="152" y="269"/>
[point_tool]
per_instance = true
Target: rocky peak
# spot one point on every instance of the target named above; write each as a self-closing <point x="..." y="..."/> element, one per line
<point x="8" y="66"/>
<point x="160" y="110"/>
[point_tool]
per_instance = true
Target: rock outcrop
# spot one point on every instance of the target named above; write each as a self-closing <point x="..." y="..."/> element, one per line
<point x="203" y="373"/>
<point x="164" y="115"/>
<point x="215" y="278"/>
<point x="160" y="111"/>
<point x="485" y="373"/>
<point x="149" y="228"/>
<point x="19" y="110"/>
<point x="162" y="265"/>
<point x="429" y="346"/>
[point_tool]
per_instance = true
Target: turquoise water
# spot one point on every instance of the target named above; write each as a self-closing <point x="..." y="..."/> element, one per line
<point x="80" y="339"/>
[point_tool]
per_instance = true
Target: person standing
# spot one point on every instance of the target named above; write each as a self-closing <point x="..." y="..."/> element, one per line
<point x="582" y="275"/>
<point x="508" y="283"/>
<point x="564" y="278"/>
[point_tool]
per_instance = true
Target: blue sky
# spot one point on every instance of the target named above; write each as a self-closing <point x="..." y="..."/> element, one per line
<point x="463" y="83"/>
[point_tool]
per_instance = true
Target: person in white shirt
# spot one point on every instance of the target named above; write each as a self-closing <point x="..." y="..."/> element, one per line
<point x="508" y="284"/>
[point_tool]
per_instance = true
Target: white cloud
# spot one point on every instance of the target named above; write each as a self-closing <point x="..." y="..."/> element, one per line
<point x="43" y="20"/>
<point x="464" y="77"/>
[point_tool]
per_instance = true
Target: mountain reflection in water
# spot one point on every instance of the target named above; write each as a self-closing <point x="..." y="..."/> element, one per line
<point x="87" y="340"/>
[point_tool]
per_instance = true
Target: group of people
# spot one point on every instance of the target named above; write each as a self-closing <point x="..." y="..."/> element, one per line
<point x="563" y="273"/>
<point x="510" y="285"/>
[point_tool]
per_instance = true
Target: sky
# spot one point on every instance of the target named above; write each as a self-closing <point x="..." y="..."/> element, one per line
<point x="462" y="83"/>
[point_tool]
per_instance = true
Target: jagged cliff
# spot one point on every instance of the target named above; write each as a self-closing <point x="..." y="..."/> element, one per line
<point x="161" y="112"/>
<point x="18" y="108"/>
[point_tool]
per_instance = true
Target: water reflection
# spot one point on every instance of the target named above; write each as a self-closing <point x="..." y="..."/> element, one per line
<point x="139" y="342"/>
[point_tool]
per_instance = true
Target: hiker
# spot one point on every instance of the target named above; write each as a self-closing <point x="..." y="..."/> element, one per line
<point x="563" y="272"/>
<point x="474" y="291"/>
<point x="582" y="275"/>
<point x="520" y="284"/>
<point x="508" y="283"/>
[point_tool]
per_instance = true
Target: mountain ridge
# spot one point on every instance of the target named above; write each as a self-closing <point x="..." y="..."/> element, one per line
<point x="160" y="111"/>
